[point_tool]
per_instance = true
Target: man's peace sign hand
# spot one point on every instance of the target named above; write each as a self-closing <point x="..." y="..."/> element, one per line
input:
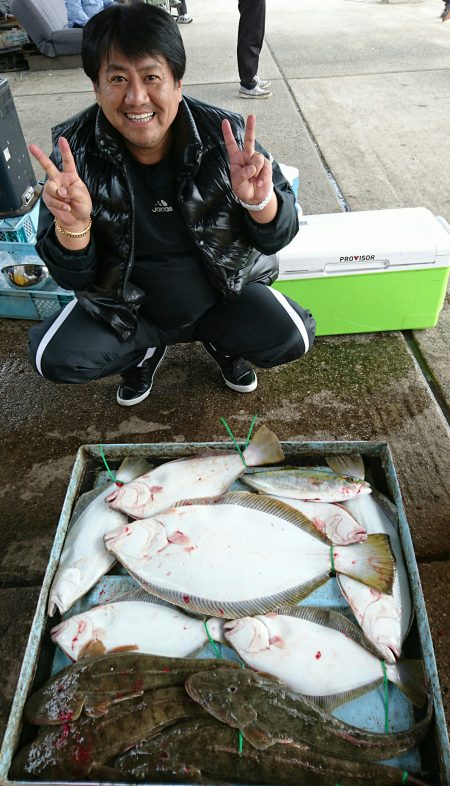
<point x="250" y="172"/>
<point x="64" y="193"/>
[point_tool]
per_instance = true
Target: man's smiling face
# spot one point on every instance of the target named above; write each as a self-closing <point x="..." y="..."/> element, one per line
<point x="140" y="99"/>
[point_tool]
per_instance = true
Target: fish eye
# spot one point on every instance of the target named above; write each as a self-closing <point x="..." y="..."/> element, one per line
<point x="232" y="689"/>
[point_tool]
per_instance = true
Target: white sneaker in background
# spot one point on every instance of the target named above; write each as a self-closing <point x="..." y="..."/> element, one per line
<point x="254" y="92"/>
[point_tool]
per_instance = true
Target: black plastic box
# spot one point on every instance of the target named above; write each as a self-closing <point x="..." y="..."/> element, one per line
<point x="18" y="185"/>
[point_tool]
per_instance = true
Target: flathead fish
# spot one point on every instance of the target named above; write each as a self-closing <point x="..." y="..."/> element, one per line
<point x="319" y="653"/>
<point x="267" y="712"/>
<point x="93" y="685"/>
<point x="208" y="475"/>
<point x="71" y="751"/>
<point x="243" y="554"/>
<point x="318" y="484"/>
<point x="202" y="750"/>
<point x="140" y="624"/>
<point x="84" y="560"/>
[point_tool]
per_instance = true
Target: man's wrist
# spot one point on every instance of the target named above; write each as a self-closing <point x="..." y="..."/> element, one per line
<point x="260" y="205"/>
<point x="70" y="232"/>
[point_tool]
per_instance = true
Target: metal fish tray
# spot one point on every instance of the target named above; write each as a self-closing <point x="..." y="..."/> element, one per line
<point x="42" y="658"/>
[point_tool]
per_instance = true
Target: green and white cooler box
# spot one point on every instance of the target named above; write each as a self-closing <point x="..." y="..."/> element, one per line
<point x="369" y="270"/>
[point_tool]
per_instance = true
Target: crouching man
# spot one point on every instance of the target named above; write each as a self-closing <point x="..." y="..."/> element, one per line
<point x="164" y="215"/>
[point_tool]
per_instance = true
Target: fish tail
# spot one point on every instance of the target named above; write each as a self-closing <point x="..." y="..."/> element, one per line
<point x="351" y="465"/>
<point x="370" y="562"/>
<point x="264" y="448"/>
<point x="409" y="677"/>
<point x="131" y="468"/>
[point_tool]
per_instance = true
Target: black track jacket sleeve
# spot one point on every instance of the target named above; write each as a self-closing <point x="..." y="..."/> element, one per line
<point x="70" y="269"/>
<point x="270" y="238"/>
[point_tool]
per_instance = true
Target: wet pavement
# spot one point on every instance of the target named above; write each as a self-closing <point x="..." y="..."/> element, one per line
<point x="360" y="105"/>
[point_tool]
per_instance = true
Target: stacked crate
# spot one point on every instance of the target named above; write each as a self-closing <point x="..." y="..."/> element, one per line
<point x="17" y="240"/>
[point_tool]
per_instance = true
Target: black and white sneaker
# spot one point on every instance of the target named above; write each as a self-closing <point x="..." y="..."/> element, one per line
<point x="237" y="373"/>
<point x="137" y="383"/>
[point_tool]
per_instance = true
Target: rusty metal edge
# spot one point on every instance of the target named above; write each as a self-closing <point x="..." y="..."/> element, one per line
<point x="426" y="641"/>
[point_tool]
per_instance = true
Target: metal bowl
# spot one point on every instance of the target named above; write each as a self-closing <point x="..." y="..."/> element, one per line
<point x="29" y="275"/>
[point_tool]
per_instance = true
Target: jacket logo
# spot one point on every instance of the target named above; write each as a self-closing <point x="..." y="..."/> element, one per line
<point x="162" y="207"/>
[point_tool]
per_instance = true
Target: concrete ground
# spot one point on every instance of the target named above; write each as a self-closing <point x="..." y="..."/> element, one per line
<point x="361" y="99"/>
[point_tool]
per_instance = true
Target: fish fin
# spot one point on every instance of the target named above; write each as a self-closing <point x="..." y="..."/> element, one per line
<point x="409" y="677"/>
<point x="264" y="448"/>
<point x="132" y="467"/>
<point x="387" y="507"/>
<point x="333" y="701"/>
<point x="91" y="649"/>
<point x="273" y="507"/>
<point x="249" y="471"/>
<point x="181" y="503"/>
<point x="136" y="595"/>
<point x="373" y="563"/>
<point x="232" y="610"/>
<point x="260" y="739"/>
<point x="329" y="619"/>
<point x="96" y="705"/>
<point x="351" y="465"/>
<point x="95" y="708"/>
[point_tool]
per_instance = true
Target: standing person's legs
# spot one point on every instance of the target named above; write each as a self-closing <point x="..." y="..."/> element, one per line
<point x="263" y="326"/>
<point x="73" y="347"/>
<point x="251" y="29"/>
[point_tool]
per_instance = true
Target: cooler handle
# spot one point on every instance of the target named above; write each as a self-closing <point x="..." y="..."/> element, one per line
<point x="444" y="223"/>
<point x="340" y="267"/>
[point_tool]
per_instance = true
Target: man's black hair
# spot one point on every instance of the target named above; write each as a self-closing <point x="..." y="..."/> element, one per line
<point x="136" y="31"/>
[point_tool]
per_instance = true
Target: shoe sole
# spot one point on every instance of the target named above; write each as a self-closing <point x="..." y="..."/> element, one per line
<point x="244" y="95"/>
<point x="130" y="403"/>
<point x="242" y="388"/>
<point x="237" y="388"/>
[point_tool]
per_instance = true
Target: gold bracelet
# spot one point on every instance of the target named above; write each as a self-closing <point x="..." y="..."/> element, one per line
<point x="73" y="234"/>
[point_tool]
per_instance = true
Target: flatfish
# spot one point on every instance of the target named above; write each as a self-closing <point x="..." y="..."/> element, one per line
<point x="384" y="618"/>
<point x="241" y="555"/>
<point x="84" y="560"/>
<point x="319" y="653"/>
<point x="208" y="475"/>
<point x="332" y="519"/>
<point x="136" y="622"/>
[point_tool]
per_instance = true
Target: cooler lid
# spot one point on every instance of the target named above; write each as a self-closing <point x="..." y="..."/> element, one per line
<point x="367" y="241"/>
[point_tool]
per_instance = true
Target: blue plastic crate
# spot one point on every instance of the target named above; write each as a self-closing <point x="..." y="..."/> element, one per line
<point x="21" y="229"/>
<point x="32" y="304"/>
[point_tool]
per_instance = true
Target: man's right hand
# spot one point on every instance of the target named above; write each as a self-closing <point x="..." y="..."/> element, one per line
<point x="64" y="193"/>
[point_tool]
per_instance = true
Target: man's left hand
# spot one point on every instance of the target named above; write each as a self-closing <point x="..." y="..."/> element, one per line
<point x="250" y="172"/>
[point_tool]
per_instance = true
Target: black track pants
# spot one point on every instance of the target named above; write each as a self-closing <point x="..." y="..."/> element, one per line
<point x="252" y="22"/>
<point x="263" y="326"/>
